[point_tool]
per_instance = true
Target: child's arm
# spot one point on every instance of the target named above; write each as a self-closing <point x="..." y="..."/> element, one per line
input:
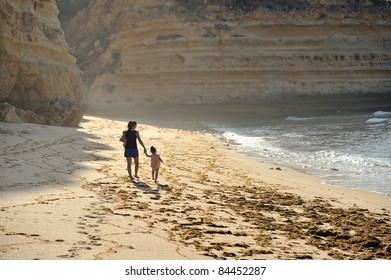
<point x="145" y="152"/>
<point x="160" y="159"/>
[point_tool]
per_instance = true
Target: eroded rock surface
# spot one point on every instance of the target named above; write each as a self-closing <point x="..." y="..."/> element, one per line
<point x="137" y="51"/>
<point x="39" y="78"/>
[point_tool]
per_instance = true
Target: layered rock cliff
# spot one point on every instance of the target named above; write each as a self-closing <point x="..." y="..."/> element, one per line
<point x="39" y="80"/>
<point x="136" y="51"/>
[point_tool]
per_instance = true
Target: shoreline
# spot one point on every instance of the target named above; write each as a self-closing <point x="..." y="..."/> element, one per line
<point x="310" y="174"/>
<point x="211" y="202"/>
<point x="311" y="185"/>
<point x="257" y="160"/>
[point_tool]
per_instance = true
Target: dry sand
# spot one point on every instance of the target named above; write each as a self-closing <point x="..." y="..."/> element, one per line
<point x="65" y="194"/>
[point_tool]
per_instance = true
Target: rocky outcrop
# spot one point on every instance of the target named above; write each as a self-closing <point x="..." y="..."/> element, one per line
<point x="136" y="51"/>
<point x="8" y="113"/>
<point x="39" y="78"/>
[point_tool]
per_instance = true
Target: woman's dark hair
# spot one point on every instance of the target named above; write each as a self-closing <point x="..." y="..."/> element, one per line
<point x="130" y="125"/>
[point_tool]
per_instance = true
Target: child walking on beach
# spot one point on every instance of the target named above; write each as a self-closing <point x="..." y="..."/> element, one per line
<point x="155" y="163"/>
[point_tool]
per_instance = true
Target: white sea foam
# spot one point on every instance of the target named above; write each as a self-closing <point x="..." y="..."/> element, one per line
<point x="250" y="143"/>
<point x="378" y="120"/>
<point x="382" y="114"/>
<point x="343" y="150"/>
<point x="297" y="119"/>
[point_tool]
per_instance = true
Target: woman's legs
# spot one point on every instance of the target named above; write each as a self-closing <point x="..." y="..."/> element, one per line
<point x="136" y="166"/>
<point x="129" y="160"/>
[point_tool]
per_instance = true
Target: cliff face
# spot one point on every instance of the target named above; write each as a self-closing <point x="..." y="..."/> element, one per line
<point x="39" y="80"/>
<point x="221" y="51"/>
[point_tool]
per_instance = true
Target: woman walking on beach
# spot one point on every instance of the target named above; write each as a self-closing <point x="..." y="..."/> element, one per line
<point x="130" y="138"/>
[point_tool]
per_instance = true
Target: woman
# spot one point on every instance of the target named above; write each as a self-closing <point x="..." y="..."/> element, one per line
<point x="130" y="138"/>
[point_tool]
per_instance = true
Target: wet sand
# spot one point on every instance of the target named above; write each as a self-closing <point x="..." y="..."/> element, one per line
<point x="65" y="194"/>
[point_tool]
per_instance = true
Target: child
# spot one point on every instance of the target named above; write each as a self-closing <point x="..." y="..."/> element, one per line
<point x="155" y="163"/>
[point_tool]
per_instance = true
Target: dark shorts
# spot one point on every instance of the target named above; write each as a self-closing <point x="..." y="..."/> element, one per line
<point x="131" y="153"/>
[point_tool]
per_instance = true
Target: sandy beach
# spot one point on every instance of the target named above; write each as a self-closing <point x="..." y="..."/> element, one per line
<point x="65" y="194"/>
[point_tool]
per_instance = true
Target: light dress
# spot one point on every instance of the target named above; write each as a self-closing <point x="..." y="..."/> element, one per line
<point x="155" y="162"/>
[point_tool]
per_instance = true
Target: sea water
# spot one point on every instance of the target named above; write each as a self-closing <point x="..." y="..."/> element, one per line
<point x="347" y="150"/>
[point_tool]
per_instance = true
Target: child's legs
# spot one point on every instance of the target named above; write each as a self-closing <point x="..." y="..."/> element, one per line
<point x="156" y="171"/>
<point x="156" y="174"/>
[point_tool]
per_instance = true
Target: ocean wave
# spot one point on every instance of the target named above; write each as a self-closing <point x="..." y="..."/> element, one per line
<point x="252" y="144"/>
<point x="382" y="114"/>
<point x="349" y="151"/>
<point x="335" y="157"/>
<point x="378" y="120"/>
<point x="298" y="119"/>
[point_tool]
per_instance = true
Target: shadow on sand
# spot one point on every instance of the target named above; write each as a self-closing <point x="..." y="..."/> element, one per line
<point x="148" y="189"/>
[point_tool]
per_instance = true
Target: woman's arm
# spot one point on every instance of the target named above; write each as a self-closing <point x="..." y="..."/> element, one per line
<point x="140" y="141"/>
